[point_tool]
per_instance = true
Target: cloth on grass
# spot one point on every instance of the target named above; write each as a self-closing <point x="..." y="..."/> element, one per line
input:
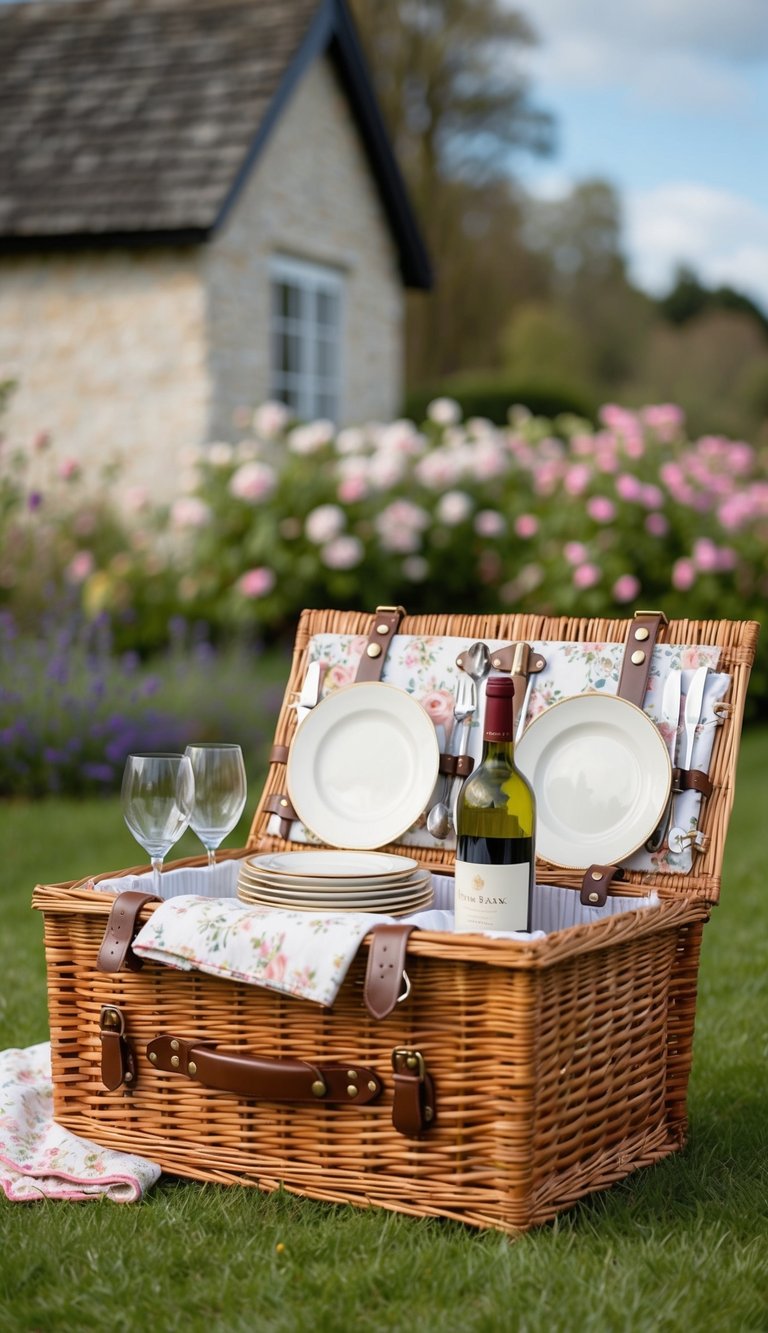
<point x="40" y="1159"/>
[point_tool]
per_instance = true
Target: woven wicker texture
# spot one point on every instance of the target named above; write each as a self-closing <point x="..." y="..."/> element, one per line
<point x="560" y="1065"/>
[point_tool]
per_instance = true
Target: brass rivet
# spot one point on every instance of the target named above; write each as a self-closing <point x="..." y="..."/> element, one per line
<point x="128" y="1076"/>
<point x="174" y="1045"/>
<point x="428" y="1113"/>
<point x="283" y="801"/>
<point x="596" y="874"/>
<point x="382" y="629"/>
<point x="496" y="662"/>
<point x="352" y="1075"/>
<point x="637" y="657"/>
<point x="192" y="1068"/>
<point x="642" y="633"/>
<point x="374" y="650"/>
<point x="371" y="1085"/>
<point x="594" y="897"/>
<point x="352" y="1090"/>
<point x="153" y="1057"/>
<point x="175" y="1061"/>
<point x="318" y="1088"/>
<point x="412" y="1062"/>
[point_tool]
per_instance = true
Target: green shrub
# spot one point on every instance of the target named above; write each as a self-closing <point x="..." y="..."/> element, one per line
<point x="490" y="396"/>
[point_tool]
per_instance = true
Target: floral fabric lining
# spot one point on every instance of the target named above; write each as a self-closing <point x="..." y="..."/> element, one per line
<point x="41" y="1160"/>
<point x="426" y="668"/>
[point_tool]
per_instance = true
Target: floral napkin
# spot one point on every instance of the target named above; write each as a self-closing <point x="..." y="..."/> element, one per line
<point x="41" y="1160"/>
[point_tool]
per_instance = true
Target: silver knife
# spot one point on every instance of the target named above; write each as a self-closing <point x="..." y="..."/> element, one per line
<point x="694" y="705"/>
<point x="310" y="692"/>
<point x="670" y="716"/>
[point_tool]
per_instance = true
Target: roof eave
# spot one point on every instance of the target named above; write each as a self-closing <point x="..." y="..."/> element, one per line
<point x="102" y="240"/>
<point x="332" y="31"/>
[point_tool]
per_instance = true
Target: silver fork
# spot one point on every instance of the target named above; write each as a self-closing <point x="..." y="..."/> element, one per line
<point x="440" y="818"/>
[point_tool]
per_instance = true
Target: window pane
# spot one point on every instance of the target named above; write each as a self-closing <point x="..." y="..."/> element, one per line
<point x="327" y="309"/>
<point x="286" y="300"/>
<point x="326" y="405"/>
<point x="326" y="358"/>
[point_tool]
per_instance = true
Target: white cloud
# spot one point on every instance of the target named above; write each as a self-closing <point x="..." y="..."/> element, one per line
<point x="721" y="235"/>
<point x="682" y="54"/>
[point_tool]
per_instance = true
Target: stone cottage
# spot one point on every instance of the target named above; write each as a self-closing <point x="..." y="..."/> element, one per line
<point x="199" y="210"/>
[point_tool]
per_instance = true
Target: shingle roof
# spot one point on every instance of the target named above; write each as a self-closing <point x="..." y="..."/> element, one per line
<point x="134" y="119"/>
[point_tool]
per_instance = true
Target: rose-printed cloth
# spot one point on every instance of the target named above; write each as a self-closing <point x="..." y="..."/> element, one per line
<point x="297" y="953"/>
<point x="426" y="668"/>
<point x="41" y="1160"/>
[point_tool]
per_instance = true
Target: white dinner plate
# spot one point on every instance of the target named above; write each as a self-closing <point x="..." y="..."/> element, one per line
<point x="333" y="864"/>
<point x="337" y="890"/>
<point x="363" y="765"/>
<point x="418" y="903"/>
<point x="601" y="774"/>
<point x="367" y="896"/>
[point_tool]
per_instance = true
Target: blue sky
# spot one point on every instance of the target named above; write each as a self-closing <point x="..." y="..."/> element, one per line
<point x="668" y="99"/>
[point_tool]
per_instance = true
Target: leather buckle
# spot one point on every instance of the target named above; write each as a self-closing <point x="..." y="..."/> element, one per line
<point x="407" y="1061"/>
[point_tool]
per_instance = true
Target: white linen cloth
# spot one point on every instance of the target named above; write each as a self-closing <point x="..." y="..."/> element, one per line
<point x="40" y="1159"/>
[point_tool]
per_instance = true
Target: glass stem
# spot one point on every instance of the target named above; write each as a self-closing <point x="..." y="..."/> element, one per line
<point x="157" y="865"/>
<point x="211" y="855"/>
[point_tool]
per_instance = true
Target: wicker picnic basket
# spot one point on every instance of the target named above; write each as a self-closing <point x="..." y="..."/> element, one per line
<point x="517" y="1077"/>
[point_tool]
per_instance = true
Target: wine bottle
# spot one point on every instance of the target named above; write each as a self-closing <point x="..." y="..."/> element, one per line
<point x="495" y="826"/>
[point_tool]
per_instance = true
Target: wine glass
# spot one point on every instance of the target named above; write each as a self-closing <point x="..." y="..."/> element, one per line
<point x="158" y="794"/>
<point x="220" y="791"/>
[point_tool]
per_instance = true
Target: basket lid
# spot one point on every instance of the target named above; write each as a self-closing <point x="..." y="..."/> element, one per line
<point x="736" y="642"/>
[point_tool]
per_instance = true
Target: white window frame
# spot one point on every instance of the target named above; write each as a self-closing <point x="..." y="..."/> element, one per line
<point x="310" y="393"/>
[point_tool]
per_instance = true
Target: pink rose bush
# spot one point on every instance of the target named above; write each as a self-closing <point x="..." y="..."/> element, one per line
<point x="559" y="516"/>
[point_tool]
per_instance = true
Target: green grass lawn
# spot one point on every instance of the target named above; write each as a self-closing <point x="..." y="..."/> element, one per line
<point x="681" y="1246"/>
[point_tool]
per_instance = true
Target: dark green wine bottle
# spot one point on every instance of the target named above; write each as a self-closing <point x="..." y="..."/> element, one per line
<point x="495" y="826"/>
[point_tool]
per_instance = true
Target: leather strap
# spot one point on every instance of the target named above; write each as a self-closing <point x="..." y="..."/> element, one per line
<point x="122" y="929"/>
<point x="413" y="1107"/>
<point x="117" y="1062"/>
<point x="503" y="659"/>
<point x="596" y="883"/>
<point x="456" y="765"/>
<point x="279" y="804"/>
<point x="386" y="966"/>
<point x="638" y="651"/>
<point x="384" y="627"/>
<point x="279" y="754"/>
<point x="263" y="1079"/>
<point x="693" y="779"/>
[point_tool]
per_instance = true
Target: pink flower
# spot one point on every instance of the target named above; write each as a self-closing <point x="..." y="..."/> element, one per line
<point x="190" y="512"/>
<point x="575" y="552"/>
<point x="664" y="419"/>
<point x="489" y="523"/>
<point x="705" y="555"/>
<point x="323" y="523"/>
<point x="628" y="487"/>
<point x="336" y="677"/>
<point x="651" y="496"/>
<point x="399" y="526"/>
<point x="586" y="576"/>
<point x="275" y="969"/>
<point x="626" y="588"/>
<point x="343" y="552"/>
<point x="439" y="705"/>
<point x="253" y="481"/>
<point x="657" y="525"/>
<point x="69" y="469"/>
<point x="526" y="525"/>
<point x="683" y="575"/>
<point x="256" y="582"/>
<point x="41" y="441"/>
<point x="80" y="566"/>
<point x="415" y="568"/>
<point x="351" y="489"/>
<point x="270" y="419"/>
<point x="576" y="479"/>
<point x="601" y="509"/>
<point x="311" y="438"/>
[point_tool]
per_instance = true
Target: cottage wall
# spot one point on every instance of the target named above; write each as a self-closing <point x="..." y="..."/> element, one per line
<point x="108" y="351"/>
<point x="134" y="356"/>
<point x="311" y="196"/>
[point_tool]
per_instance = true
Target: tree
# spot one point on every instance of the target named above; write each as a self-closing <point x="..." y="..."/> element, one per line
<point x="688" y="297"/>
<point x="458" y="110"/>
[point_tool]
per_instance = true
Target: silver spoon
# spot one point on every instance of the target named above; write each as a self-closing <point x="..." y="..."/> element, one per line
<point x="477" y="665"/>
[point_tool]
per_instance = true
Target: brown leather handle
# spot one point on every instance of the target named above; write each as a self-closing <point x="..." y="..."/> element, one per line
<point x="384" y="626"/>
<point x="263" y="1079"/>
<point x="122" y="929"/>
<point x="638" y="651"/>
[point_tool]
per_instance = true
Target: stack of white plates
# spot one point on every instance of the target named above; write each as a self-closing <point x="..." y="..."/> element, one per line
<point x="336" y="881"/>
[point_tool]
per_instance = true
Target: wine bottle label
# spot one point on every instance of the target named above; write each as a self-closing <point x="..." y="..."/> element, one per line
<point x="492" y="897"/>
